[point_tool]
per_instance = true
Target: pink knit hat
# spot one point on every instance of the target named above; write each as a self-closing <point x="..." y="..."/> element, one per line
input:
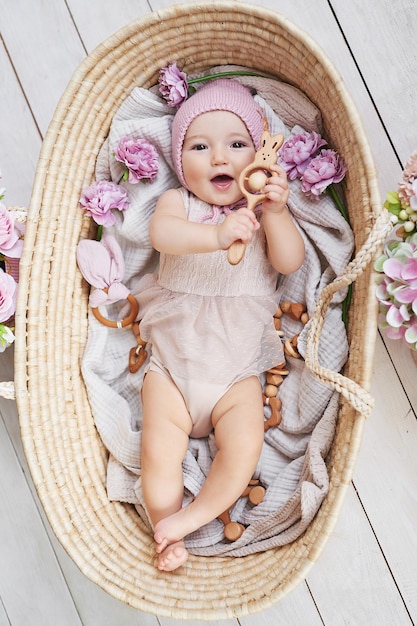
<point x="221" y="94"/>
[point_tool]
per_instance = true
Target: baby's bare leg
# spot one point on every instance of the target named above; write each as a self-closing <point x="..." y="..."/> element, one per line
<point x="165" y="435"/>
<point x="238" y="422"/>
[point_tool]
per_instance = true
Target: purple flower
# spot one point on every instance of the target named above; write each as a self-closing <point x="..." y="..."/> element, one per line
<point x="297" y="152"/>
<point x="11" y="243"/>
<point x="325" y="169"/>
<point x="8" y="295"/>
<point x="173" y="85"/>
<point x="100" y="198"/>
<point x="140" y="158"/>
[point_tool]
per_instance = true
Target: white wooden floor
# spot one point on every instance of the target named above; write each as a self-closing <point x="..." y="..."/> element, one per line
<point x="367" y="575"/>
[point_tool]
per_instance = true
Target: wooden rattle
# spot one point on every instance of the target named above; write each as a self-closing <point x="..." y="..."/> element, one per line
<point x="127" y="321"/>
<point x="254" y="178"/>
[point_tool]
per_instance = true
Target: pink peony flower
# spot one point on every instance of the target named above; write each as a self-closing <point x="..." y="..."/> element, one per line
<point x="140" y="158"/>
<point x="11" y="243"/>
<point x="173" y="85"/>
<point x="325" y="169"/>
<point x="297" y="152"/>
<point x="100" y="198"/>
<point x="8" y="295"/>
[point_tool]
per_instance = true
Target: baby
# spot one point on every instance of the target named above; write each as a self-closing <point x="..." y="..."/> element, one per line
<point x="209" y="323"/>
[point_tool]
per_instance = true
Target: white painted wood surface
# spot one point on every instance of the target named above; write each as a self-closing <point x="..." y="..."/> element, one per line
<point x="367" y="573"/>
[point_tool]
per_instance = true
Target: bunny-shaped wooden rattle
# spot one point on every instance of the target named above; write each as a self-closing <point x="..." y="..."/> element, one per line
<point x="253" y="178"/>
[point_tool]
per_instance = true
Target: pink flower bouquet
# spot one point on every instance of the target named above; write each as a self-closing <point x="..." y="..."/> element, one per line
<point x="11" y="245"/>
<point x="397" y="266"/>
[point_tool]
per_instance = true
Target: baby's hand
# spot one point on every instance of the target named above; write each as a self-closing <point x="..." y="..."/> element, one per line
<point x="277" y="191"/>
<point x="239" y="225"/>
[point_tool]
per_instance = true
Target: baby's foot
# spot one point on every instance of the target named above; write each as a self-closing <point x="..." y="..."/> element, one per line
<point x="172" y="557"/>
<point x="173" y="528"/>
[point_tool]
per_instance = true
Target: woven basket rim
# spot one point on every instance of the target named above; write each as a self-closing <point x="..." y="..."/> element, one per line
<point x="65" y="456"/>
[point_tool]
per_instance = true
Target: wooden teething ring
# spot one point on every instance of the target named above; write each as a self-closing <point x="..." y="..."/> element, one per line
<point x="125" y="322"/>
<point x="253" y="178"/>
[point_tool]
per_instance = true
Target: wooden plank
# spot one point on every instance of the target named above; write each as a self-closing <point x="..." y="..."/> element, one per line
<point x="32" y="587"/>
<point x="386" y="475"/>
<point x="20" y="140"/>
<point x="351" y="582"/>
<point x="48" y="38"/>
<point x="98" y="19"/>
<point x="4" y="620"/>
<point x="167" y="621"/>
<point x="383" y="44"/>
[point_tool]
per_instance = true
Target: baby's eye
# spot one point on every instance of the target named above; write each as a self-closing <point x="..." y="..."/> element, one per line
<point x="199" y="146"/>
<point x="238" y="144"/>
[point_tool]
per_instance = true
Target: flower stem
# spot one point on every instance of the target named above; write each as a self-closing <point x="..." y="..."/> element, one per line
<point x="99" y="232"/>
<point x="200" y="79"/>
<point x="346" y="303"/>
<point x="338" y="201"/>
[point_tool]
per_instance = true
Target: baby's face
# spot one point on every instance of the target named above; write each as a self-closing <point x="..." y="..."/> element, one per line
<point x="217" y="147"/>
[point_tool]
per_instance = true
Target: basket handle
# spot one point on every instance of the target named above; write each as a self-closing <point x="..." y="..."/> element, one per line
<point x="358" y="397"/>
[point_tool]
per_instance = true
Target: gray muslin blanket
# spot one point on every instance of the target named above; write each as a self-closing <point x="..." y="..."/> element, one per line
<point x="291" y="466"/>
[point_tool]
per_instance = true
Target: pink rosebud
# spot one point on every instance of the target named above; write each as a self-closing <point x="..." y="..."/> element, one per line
<point x="325" y="169"/>
<point x="8" y="295"/>
<point x="140" y="158"/>
<point x="100" y="198"/>
<point x="297" y="152"/>
<point x="173" y="85"/>
<point x="11" y="244"/>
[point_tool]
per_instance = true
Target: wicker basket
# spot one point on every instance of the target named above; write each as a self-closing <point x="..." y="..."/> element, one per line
<point x="107" y="540"/>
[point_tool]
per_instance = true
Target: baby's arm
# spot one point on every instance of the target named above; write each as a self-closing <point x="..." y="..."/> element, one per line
<point x="285" y="246"/>
<point x="172" y="233"/>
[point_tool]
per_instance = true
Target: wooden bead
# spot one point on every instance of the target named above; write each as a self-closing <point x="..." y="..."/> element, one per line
<point x="256" y="494"/>
<point x="274" y="379"/>
<point x="296" y="310"/>
<point x="304" y="318"/>
<point x="285" y="306"/>
<point x="233" y="531"/>
<point x="270" y="391"/>
<point x="257" y="180"/>
<point x="277" y="323"/>
<point x="288" y="349"/>
<point x="278" y="312"/>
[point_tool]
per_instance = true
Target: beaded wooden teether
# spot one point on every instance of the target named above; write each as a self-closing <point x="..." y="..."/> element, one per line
<point x="255" y="494"/>
<point x="275" y="376"/>
<point x="252" y="179"/>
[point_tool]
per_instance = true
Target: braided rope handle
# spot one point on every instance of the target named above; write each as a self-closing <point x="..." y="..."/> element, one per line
<point x="360" y="399"/>
<point x="7" y="388"/>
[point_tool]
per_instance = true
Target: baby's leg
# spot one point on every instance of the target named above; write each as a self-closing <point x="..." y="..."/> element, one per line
<point x="238" y="422"/>
<point x="165" y="435"/>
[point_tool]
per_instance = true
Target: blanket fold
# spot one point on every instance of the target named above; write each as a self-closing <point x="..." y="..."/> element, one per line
<point x="291" y="466"/>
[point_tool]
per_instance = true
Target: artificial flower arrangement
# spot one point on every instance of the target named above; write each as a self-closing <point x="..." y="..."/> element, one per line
<point x="396" y="267"/>
<point x="11" y="244"/>
<point x="303" y="156"/>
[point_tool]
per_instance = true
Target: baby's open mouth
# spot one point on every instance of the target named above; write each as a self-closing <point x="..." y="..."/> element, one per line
<point x="222" y="181"/>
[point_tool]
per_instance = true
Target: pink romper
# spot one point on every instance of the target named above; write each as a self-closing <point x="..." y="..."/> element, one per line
<point x="209" y="323"/>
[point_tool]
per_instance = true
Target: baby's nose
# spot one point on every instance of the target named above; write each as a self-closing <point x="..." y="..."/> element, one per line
<point x="219" y="156"/>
